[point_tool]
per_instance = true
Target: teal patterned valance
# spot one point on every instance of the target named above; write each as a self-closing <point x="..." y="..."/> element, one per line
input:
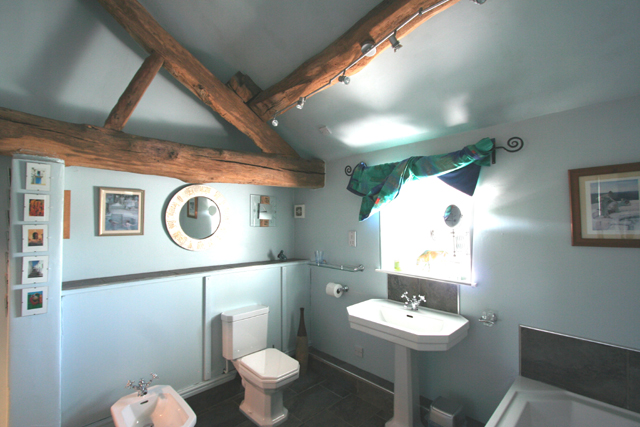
<point x="380" y="184"/>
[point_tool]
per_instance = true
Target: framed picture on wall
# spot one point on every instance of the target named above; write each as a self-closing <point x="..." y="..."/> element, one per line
<point x="35" y="238"/>
<point x="192" y="208"/>
<point x="38" y="177"/>
<point x="36" y="207"/>
<point x="35" y="300"/>
<point x="35" y="269"/>
<point x="121" y="212"/>
<point x="605" y="206"/>
<point x="298" y="211"/>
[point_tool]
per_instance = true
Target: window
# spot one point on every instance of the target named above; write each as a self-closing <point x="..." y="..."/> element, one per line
<point x="420" y="234"/>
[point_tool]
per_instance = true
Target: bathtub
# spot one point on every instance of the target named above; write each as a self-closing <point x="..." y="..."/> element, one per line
<point x="531" y="403"/>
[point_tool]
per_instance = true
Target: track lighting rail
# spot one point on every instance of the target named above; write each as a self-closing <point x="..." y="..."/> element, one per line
<point x="342" y="77"/>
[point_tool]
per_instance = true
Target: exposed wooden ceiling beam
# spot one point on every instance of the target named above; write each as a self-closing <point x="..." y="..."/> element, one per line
<point x="101" y="148"/>
<point x="318" y="71"/>
<point x="137" y="21"/>
<point x="133" y="93"/>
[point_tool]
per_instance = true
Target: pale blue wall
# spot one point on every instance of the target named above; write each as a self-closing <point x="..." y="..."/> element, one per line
<point x="524" y="263"/>
<point x="87" y="255"/>
<point x="126" y="331"/>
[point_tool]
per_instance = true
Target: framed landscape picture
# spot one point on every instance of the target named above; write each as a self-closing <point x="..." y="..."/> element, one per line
<point x="38" y="177"/>
<point x="35" y="269"/>
<point x="36" y="207"/>
<point x="35" y="238"/>
<point x="35" y="300"/>
<point x="605" y="206"/>
<point x="121" y="212"/>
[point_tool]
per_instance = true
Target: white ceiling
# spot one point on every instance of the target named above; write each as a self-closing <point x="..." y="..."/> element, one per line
<point x="469" y="67"/>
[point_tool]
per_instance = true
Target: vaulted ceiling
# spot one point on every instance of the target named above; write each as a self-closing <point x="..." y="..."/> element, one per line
<point x="469" y="67"/>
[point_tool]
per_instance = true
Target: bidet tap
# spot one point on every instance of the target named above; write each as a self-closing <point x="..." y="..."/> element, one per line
<point x="412" y="303"/>
<point x="142" y="386"/>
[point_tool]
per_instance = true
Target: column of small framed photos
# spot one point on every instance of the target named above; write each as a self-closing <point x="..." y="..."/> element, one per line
<point x="35" y="238"/>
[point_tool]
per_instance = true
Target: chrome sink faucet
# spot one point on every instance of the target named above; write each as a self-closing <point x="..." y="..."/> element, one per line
<point x="142" y="385"/>
<point x="412" y="303"/>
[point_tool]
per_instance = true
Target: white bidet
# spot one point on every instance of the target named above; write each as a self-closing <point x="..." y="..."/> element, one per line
<point x="162" y="406"/>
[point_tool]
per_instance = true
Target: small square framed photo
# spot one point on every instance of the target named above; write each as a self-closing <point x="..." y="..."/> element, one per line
<point x="36" y="207"/>
<point x="38" y="177"/>
<point x="35" y="269"/>
<point x="35" y="300"/>
<point x="35" y="238"/>
<point x="121" y="212"/>
<point x="298" y="211"/>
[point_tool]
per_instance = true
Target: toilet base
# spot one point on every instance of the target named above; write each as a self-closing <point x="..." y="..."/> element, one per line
<point x="263" y="407"/>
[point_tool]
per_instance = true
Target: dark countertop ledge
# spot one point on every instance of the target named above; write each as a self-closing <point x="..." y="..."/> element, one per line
<point x="154" y="275"/>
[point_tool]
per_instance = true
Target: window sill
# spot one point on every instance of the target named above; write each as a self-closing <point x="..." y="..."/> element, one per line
<point x="454" y="282"/>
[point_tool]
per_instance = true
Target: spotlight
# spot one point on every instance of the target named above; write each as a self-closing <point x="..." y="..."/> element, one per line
<point x="300" y="103"/>
<point x="274" y="122"/>
<point x="344" y="79"/>
<point x="395" y="44"/>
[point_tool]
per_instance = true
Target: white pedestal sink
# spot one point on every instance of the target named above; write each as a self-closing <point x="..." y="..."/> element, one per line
<point x="410" y="331"/>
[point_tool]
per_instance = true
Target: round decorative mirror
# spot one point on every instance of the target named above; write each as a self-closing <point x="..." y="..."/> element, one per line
<point x="452" y="215"/>
<point x="196" y="216"/>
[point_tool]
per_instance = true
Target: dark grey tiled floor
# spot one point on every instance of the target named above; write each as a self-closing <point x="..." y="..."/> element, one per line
<point x="313" y="400"/>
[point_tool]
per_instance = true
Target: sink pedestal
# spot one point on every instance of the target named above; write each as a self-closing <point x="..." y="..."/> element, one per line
<point x="406" y="390"/>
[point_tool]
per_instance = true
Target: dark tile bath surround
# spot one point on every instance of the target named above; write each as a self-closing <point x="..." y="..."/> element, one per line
<point x="600" y="371"/>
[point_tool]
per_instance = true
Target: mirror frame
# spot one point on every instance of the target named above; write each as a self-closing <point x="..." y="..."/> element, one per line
<point x="172" y="217"/>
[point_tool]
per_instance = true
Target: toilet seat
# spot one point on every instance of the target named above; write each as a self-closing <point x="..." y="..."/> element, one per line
<point x="269" y="368"/>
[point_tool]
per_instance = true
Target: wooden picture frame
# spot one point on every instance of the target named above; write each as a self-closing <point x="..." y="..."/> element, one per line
<point x="36" y="207"/>
<point x="121" y="212"/>
<point x="35" y="269"/>
<point x="35" y="238"/>
<point x="35" y="300"/>
<point x="605" y="206"/>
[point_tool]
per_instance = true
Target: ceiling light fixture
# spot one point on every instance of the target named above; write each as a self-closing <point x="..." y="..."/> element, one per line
<point x="395" y="44"/>
<point x="369" y="49"/>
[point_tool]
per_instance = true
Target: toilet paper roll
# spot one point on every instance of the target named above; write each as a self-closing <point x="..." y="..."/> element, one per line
<point x="334" y="289"/>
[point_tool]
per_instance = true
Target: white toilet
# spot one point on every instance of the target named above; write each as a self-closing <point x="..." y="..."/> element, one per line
<point x="264" y="371"/>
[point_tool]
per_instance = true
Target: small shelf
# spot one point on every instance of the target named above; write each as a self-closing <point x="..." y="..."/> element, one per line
<point x="349" y="268"/>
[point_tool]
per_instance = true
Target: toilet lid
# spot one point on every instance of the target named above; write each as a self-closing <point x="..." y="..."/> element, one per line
<point x="270" y="363"/>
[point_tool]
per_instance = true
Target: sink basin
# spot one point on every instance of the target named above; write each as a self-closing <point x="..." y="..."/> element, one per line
<point x="162" y="406"/>
<point x="411" y="331"/>
<point x="423" y="330"/>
